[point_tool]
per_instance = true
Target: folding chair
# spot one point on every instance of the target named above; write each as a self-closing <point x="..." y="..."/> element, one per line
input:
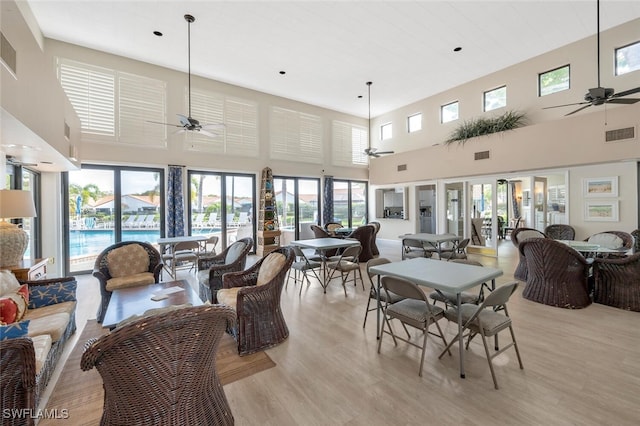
<point x="414" y="311"/>
<point x="302" y="265"/>
<point x="487" y="319"/>
<point x="347" y="263"/>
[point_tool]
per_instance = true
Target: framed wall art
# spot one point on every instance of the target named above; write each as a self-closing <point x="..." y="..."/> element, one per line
<point x="606" y="211"/>
<point x="600" y="187"/>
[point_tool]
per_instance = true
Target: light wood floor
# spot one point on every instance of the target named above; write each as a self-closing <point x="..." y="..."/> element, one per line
<point x="581" y="367"/>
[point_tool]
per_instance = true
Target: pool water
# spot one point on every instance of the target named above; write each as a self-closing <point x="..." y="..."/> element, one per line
<point x="93" y="241"/>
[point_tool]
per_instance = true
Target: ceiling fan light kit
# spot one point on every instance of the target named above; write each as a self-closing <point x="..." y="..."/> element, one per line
<point x="601" y="95"/>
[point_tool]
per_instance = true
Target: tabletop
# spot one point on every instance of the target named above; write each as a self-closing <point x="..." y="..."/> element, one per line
<point x="431" y="238"/>
<point x="325" y="243"/>
<point x="446" y="276"/>
<point x="587" y="247"/>
<point x="130" y="301"/>
<point x="174" y="240"/>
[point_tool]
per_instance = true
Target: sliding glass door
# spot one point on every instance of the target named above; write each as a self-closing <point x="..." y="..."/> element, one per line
<point x="298" y="204"/>
<point x="111" y="204"/>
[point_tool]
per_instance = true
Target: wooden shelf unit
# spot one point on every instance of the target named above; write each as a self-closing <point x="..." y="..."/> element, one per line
<point x="268" y="225"/>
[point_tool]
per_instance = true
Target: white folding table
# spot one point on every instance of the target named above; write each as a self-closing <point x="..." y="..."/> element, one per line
<point x="434" y="240"/>
<point x="449" y="277"/>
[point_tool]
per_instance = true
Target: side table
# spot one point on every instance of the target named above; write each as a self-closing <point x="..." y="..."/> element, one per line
<point x="30" y="270"/>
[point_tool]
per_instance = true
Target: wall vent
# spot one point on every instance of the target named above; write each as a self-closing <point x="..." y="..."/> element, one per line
<point x="620" y="134"/>
<point x="402" y="168"/>
<point x="482" y="155"/>
<point x="8" y="55"/>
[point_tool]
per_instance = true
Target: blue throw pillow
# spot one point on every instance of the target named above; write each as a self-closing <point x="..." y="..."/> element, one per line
<point x="45" y="295"/>
<point x="14" y="330"/>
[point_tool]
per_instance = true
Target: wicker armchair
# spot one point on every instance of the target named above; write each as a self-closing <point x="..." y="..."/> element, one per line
<point x="255" y="296"/>
<point x="617" y="282"/>
<point x="517" y="236"/>
<point x="636" y="237"/>
<point x="101" y="270"/>
<point x="627" y="238"/>
<point x="212" y="268"/>
<point x="18" y="367"/>
<point x="161" y="370"/>
<point x="557" y="274"/>
<point x="365" y="234"/>
<point x="560" y="232"/>
<point x="374" y="247"/>
<point x="319" y="232"/>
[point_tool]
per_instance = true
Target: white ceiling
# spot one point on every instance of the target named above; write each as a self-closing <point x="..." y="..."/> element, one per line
<point x="329" y="49"/>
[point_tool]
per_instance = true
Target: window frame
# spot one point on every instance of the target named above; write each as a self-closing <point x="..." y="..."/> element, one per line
<point x="442" y="107"/>
<point x="567" y="66"/>
<point x="388" y="125"/>
<point x="417" y="114"/>
<point x="615" y="58"/>
<point x="495" y="89"/>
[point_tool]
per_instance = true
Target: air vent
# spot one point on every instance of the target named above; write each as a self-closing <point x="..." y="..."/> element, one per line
<point x="482" y="155"/>
<point x="8" y="55"/>
<point x="620" y="134"/>
<point x="402" y="168"/>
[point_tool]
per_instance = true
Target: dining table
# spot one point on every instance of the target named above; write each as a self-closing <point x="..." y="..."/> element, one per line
<point x="434" y="241"/>
<point x="167" y="246"/>
<point x="591" y="250"/>
<point x="449" y="277"/>
<point x="322" y="245"/>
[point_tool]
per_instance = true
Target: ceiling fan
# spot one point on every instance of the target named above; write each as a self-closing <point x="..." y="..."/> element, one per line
<point x="188" y="123"/>
<point x="372" y="152"/>
<point x="601" y="95"/>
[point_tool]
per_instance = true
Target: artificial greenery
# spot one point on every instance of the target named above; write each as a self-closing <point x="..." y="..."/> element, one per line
<point x="484" y="126"/>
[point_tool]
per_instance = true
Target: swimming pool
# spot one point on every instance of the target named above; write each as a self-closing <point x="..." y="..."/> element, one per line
<point x="92" y="241"/>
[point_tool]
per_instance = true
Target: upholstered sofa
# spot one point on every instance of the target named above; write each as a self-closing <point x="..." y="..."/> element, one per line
<point x="32" y="343"/>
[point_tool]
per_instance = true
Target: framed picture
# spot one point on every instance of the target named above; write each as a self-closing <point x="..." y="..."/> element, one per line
<point x="606" y="211"/>
<point x="601" y="187"/>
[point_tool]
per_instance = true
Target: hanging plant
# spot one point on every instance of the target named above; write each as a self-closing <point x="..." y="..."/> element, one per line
<point x="484" y="126"/>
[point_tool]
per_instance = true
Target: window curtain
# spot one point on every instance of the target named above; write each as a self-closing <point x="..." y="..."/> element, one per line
<point x="327" y="208"/>
<point x="514" y="201"/>
<point x="175" y="203"/>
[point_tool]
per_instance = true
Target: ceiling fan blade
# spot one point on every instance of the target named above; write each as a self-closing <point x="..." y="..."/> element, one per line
<point x="214" y="127"/>
<point x="164" y="124"/>
<point x="560" y="106"/>
<point x="183" y="120"/>
<point x="627" y="92"/>
<point x="627" y="101"/>
<point x="384" y="152"/>
<point x="579" y="109"/>
<point x="206" y="133"/>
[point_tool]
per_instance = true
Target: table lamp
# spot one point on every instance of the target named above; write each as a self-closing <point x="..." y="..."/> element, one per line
<point x="14" y="240"/>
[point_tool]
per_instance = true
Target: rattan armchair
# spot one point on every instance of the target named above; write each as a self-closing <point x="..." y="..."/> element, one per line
<point x="560" y="232"/>
<point x="374" y="247"/>
<point x="18" y="388"/>
<point x="161" y="370"/>
<point x="617" y="282"/>
<point x="557" y="274"/>
<point x="365" y="234"/>
<point x="519" y="235"/>
<point x="212" y="268"/>
<point x="256" y="300"/>
<point x="101" y="270"/>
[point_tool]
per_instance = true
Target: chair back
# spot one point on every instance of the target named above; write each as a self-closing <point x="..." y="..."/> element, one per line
<point x="187" y="246"/>
<point x="613" y="239"/>
<point x="331" y="227"/>
<point x="462" y="245"/>
<point x="364" y="234"/>
<point x="180" y="347"/>
<point x="403" y="287"/>
<point x="560" y="232"/>
<point x="351" y="253"/>
<point x="318" y="232"/>
<point x="467" y="262"/>
<point x="500" y="296"/>
<point x="375" y="262"/>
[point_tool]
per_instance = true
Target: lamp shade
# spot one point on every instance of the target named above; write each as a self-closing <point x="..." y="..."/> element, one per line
<point x="13" y="240"/>
<point x="16" y="203"/>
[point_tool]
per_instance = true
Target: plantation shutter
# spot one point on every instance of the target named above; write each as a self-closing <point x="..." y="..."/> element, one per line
<point x="241" y="127"/>
<point x="348" y="144"/>
<point x="91" y="91"/>
<point x="140" y="100"/>
<point x="295" y="135"/>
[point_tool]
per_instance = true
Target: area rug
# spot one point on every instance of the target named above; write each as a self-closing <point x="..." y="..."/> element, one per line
<point x="80" y="393"/>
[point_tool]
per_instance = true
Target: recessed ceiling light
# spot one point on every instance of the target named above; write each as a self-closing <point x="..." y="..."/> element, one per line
<point x="457" y="49"/>
<point x="283" y="72"/>
<point x="158" y="33"/>
<point x="360" y="96"/>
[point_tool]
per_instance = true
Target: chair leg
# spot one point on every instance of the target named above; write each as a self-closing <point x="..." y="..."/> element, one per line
<point x="489" y="359"/>
<point x="424" y="347"/>
<point x="442" y="337"/>
<point x="366" y="312"/>
<point x="515" y="345"/>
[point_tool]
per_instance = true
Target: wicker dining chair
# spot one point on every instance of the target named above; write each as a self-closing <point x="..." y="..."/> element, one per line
<point x="617" y="282"/>
<point x="560" y="232"/>
<point x="519" y="235"/>
<point x="255" y="294"/>
<point x="161" y="369"/>
<point x="212" y="268"/>
<point x="365" y="234"/>
<point x="374" y="246"/>
<point x="557" y="274"/>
